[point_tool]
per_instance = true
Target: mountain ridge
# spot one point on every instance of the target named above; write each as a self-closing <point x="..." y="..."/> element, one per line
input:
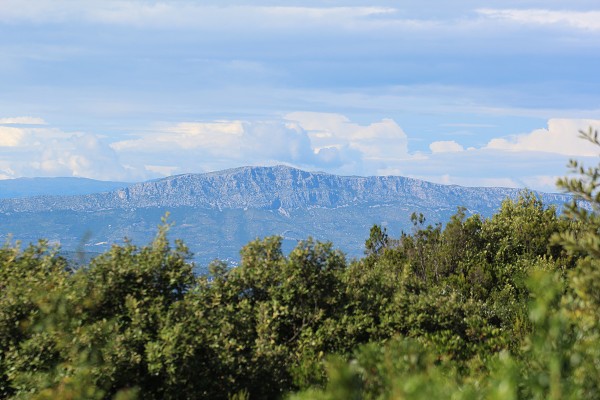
<point x="269" y="188"/>
<point x="217" y="213"/>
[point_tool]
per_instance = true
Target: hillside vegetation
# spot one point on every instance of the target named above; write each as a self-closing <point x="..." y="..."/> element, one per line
<point x="500" y="308"/>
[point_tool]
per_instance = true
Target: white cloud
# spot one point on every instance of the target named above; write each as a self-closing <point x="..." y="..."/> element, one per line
<point x="198" y="146"/>
<point x="219" y="136"/>
<point x="22" y="121"/>
<point x="233" y="140"/>
<point x="533" y="160"/>
<point x="449" y="146"/>
<point x="5" y="170"/>
<point x="278" y="141"/>
<point x="306" y="140"/>
<point x="196" y="14"/>
<point x="378" y="141"/>
<point x="206" y="16"/>
<point x="81" y="155"/>
<point x="588" y="20"/>
<point x="10" y="137"/>
<point x="186" y="14"/>
<point x="41" y="151"/>
<point x="561" y="137"/>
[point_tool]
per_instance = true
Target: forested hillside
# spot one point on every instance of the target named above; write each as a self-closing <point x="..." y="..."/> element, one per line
<point x="500" y="308"/>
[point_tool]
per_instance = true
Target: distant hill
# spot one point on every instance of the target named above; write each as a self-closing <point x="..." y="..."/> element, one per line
<point x="27" y="187"/>
<point x="217" y="213"/>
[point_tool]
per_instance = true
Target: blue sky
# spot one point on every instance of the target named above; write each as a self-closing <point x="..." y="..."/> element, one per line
<point x="470" y="93"/>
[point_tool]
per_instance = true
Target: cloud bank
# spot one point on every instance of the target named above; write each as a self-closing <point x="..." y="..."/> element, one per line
<point x="445" y="146"/>
<point x="37" y="151"/>
<point x="585" y="20"/>
<point x="307" y="140"/>
<point x="560" y="137"/>
<point x="315" y="141"/>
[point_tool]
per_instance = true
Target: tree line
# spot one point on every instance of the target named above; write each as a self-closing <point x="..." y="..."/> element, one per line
<point x="501" y="308"/>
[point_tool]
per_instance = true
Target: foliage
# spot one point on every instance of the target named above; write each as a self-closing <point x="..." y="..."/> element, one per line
<point x="83" y="334"/>
<point x="547" y="289"/>
<point x="498" y="308"/>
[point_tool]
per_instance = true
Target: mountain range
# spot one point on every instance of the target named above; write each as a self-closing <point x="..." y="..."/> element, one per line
<point x="217" y="213"/>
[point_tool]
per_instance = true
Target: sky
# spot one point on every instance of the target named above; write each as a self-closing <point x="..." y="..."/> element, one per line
<point x="465" y="92"/>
